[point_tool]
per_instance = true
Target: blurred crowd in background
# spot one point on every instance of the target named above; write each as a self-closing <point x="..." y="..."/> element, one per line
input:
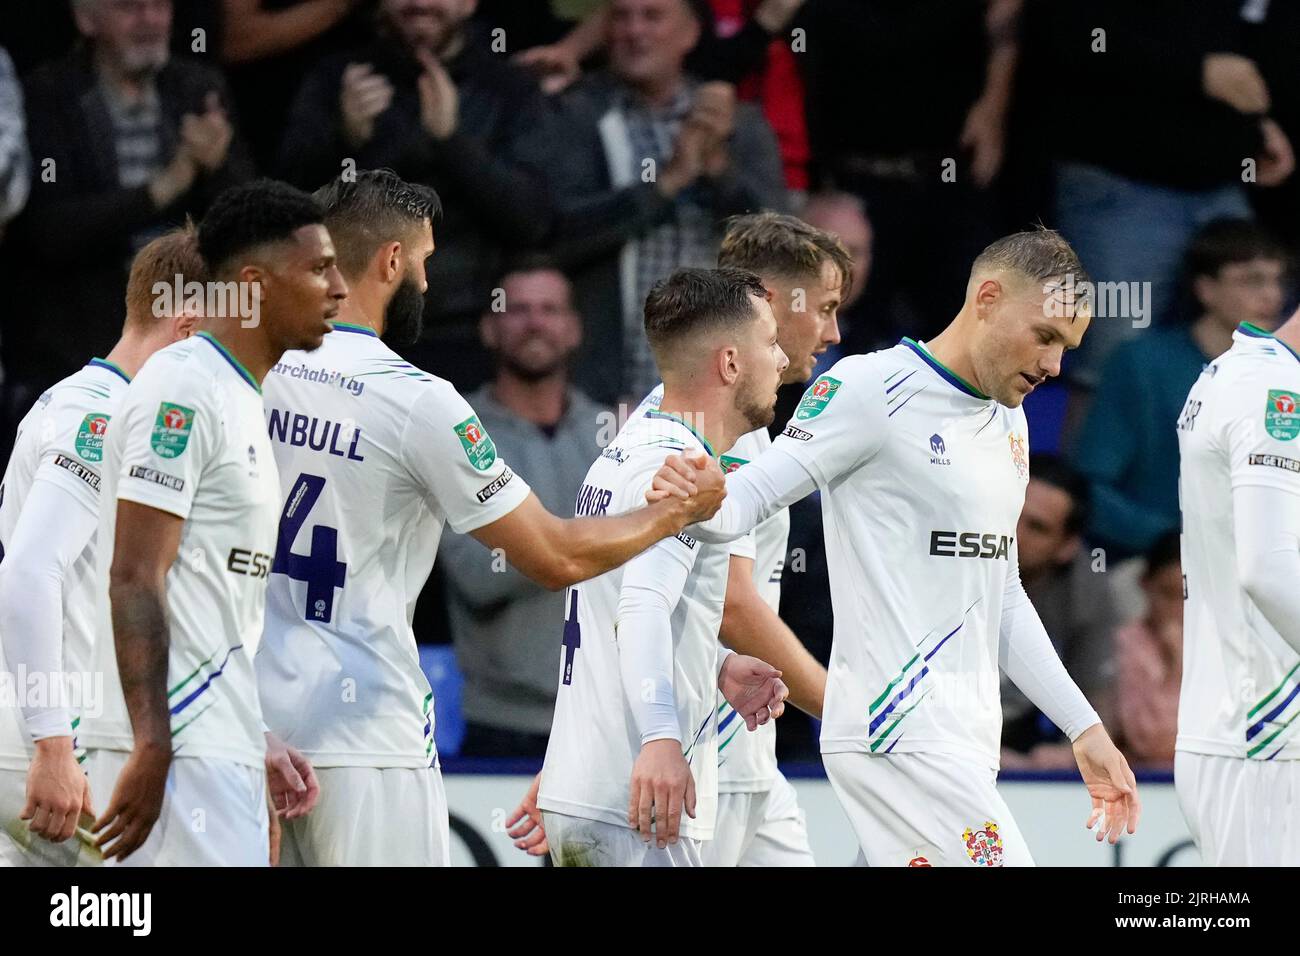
<point x="583" y="149"/>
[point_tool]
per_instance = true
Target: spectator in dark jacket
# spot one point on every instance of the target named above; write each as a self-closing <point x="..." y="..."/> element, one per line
<point x="126" y="141"/>
<point x="1154" y="111"/>
<point x="654" y="162"/>
<point x="431" y="101"/>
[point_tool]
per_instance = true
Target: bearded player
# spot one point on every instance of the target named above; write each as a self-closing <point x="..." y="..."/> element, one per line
<point x="630" y="777"/>
<point x="376" y="457"/>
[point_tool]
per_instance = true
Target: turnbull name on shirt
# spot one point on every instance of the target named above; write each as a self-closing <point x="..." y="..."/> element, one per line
<point x="318" y="434"/>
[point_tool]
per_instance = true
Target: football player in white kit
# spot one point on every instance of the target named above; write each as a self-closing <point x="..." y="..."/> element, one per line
<point x="921" y="455"/>
<point x="49" y="509"/>
<point x="375" y="458"/>
<point x="634" y="743"/>
<point x="191" y="497"/>
<point x="807" y="273"/>
<point x="1237" y="760"/>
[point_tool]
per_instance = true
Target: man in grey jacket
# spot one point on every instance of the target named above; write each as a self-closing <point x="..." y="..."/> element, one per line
<point x="506" y="628"/>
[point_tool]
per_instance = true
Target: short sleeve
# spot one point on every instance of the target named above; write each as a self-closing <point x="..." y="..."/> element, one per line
<point x="451" y="454"/>
<point x="168" y="428"/>
<point x="840" y="421"/>
<point x="745" y="547"/>
<point x="72" y="452"/>
<point x="1262" y="435"/>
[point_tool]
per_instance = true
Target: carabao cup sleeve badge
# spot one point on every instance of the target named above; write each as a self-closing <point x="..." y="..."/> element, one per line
<point x="476" y="443"/>
<point x="171" y="430"/>
<point x="1281" y="418"/>
<point x="817" y="397"/>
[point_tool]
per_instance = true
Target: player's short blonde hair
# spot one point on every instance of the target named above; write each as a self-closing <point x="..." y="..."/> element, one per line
<point x="1040" y="254"/>
<point x="172" y="255"/>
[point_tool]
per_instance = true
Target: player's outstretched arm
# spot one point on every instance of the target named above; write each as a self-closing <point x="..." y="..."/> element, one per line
<point x="772" y="481"/>
<point x="52" y="531"/>
<point x="750" y="626"/>
<point x="556" y="552"/>
<point x="145" y="547"/>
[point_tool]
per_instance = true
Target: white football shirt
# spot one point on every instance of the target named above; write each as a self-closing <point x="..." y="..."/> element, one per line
<point x="61" y="440"/>
<point x="747" y="760"/>
<point x="189" y="439"/>
<point x="922" y="478"/>
<point x="375" y="458"/>
<point x="1241" y="681"/>
<point x="594" y="737"/>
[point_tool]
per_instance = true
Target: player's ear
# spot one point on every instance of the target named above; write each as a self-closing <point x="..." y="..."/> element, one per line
<point x="987" y="294"/>
<point x="487" y="331"/>
<point x="390" y="260"/>
<point x="185" y="324"/>
<point x="728" y="368"/>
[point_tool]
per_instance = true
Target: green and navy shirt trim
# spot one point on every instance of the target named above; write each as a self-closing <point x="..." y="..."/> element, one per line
<point x="655" y="413"/>
<point x="944" y="372"/>
<point x="234" y="362"/>
<point x="105" y="363"/>
<point x="1255" y="332"/>
<point x="359" y="329"/>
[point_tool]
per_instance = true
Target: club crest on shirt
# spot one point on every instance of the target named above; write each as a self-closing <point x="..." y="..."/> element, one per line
<point x="729" y="464"/>
<point x="1019" y="457"/>
<point x="90" y="437"/>
<point x="817" y="397"/>
<point x="477" y="444"/>
<point x="1281" y="420"/>
<point x="171" y="429"/>
<point x="984" y="847"/>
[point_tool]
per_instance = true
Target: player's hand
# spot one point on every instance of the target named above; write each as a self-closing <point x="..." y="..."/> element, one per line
<point x="555" y="65"/>
<point x="754" y="688"/>
<point x="137" y="802"/>
<point x="662" y="786"/>
<point x="363" y="96"/>
<point x="439" y="101"/>
<point x="1110" y="783"/>
<point x="57" y="791"/>
<point x="528" y="833"/>
<point x="698" y="483"/>
<point x="290" y="779"/>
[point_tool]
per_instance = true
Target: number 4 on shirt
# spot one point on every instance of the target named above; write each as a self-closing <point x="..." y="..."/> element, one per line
<point x="320" y="567"/>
